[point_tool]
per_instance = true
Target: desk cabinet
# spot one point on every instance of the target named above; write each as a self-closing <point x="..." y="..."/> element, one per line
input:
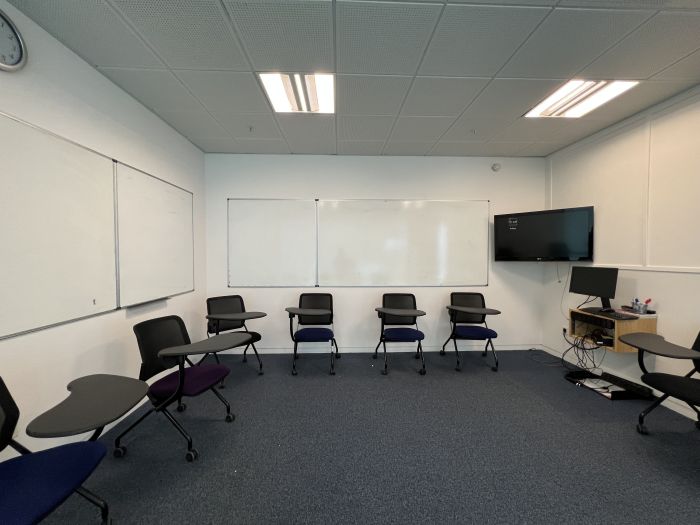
<point x="583" y="323"/>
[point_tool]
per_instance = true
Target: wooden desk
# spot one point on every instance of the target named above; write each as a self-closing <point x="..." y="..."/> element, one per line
<point x="579" y="326"/>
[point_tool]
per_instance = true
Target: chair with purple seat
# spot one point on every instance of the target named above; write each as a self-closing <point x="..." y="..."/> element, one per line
<point x="34" y="484"/>
<point x="401" y="331"/>
<point x="315" y="314"/>
<point x="468" y="326"/>
<point x="153" y="336"/>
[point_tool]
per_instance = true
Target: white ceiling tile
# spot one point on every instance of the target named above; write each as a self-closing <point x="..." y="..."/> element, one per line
<point x="530" y="130"/>
<point x="226" y="91"/>
<point x="420" y="129"/>
<point x="478" y="149"/>
<point x="364" y="128"/>
<point x="476" y="41"/>
<point x="455" y="149"/>
<point x="687" y="68"/>
<point x="407" y="148"/>
<point x="541" y="149"/>
<point x="93" y="30"/>
<point x="502" y="149"/>
<point x="635" y="4"/>
<point x="509" y="99"/>
<point x="370" y="95"/>
<point x="441" y="96"/>
<point x="507" y="2"/>
<point x="475" y="130"/>
<point x="285" y="36"/>
<point x="156" y="89"/>
<point x="384" y="38"/>
<point x="660" y="42"/>
<point x="239" y="126"/>
<point x="262" y="146"/>
<point x="313" y="134"/>
<point x="194" y="123"/>
<point x="360" y="147"/>
<point x="187" y="34"/>
<point x="580" y="36"/>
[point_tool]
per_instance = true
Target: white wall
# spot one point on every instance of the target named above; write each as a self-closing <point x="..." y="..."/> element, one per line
<point x="515" y="288"/>
<point x="58" y="91"/>
<point x="642" y="177"/>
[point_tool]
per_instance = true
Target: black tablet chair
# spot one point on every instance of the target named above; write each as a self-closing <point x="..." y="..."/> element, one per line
<point x="153" y="336"/>
<point x="399" y="331"/>
<point x="315" y="326"/>
<point x="231" y="304"/>
<point x="685" y="388"/>
<point x="34" y="484"/>
<point x="470" y="327"/>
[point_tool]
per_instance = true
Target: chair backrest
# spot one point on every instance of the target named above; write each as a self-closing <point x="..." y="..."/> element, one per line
<point x="322" y="301"/>
<point x="399" y="300"/>
<point x="154" y="335"/>
<point x="471" y="299"/>
<point x="9" y="415"/>
<point x="696" y="346"/>
<point x="225" y="304"/>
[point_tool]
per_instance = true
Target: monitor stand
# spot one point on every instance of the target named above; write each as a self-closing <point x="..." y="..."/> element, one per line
<point x="607" y="307"/>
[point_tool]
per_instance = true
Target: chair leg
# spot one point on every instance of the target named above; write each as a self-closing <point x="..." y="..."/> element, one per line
<point x="245" y="351"/>
<point x="376" y="348"/>
<point x="640" y="426"/>
<point x="442" y="351"/>
<point x="257" y="356"/>
<point x="422" y="360"/>
<point x="486" y="347"/>
<point x="386" y="363"/>
<point x="697" y="414"/>
<point x="332" y="372"/>
<point x="294" y="360"/>
<point x="192" y="453"/>
<point x="459" y="364"/>
<point x="120" y="451"/>
<point x="221" y="385"/>
<point x="495" y="357"/>
<point x="337" y="352"/>
<point x="95" y="500"/>
<point x="229" y="416"/>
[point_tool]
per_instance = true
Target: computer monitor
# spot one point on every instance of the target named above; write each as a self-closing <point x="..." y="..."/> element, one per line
<point x="598" y="282"/>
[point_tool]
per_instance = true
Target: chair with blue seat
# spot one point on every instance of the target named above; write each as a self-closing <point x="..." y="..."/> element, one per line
<point x="153" y="336"/>
<point x="315" y="327"/>
<point x="470" y="327"/>
<point x="32" y="485"/>
<point x="403" y="329"/>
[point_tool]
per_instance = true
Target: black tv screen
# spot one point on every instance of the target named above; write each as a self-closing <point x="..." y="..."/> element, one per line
<point x="552" y="235"/>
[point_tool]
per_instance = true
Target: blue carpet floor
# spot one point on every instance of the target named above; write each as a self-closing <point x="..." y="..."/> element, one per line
<point x="521" y="445"/>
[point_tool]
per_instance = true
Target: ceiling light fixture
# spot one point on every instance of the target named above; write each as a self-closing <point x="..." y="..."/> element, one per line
<point x="299" y="93"/>
<point x="576" y="98"/>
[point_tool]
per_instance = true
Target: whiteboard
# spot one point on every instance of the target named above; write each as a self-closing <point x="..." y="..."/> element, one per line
<point x="155" y="237"/>
<point x="56" y="230"/>
<point x="403" y="243"/>
<point x="271" y="242"/>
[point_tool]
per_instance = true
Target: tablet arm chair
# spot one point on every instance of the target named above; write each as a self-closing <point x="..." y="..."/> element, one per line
<point x="400" y="331"/>
<point x="470" y="327"/>
<point x="315" y="327"/>
<point x="32" y="485"/>
<point x="153" y="336"/>
<point x="231" y="304"/>
<point x="685" y="388"/>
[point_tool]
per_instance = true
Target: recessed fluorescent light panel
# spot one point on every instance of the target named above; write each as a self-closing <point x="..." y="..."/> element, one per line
<point x="579" y="97"/>
<point x="299" y="93"/>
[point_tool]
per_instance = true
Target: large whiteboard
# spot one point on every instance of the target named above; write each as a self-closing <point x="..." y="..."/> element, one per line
<point x="403" y="243"/>
<point x="56" y="230"/>
<point x="271" y="242"/>
<point x="156" y="243"/>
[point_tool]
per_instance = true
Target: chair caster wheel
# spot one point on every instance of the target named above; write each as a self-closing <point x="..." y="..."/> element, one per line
<point x="222" y="386"/>
<point x="422" y="371"/>
<point x="230" y="417"/>
<point x="642" y="429"/>
<point x="192" y="455"/>
<point x="260" y="372"/>
<point x="294" y="372"/>
<point x="183" y="407"/>
<point x="332" y="372"/>
<point x="442" y="352"/>
<point x="417" y="356"/>
<point x="338" y="356"/>
<point x="374" y="356"/>
<point x="458" y="368"/>
<point x="385" y="372"/>
<point x="483" y="354"/>
<point x="697" y="424"/>
<point x="119" y="452"/>
<point x="494" y="368"/>
<point x="245" y="359"/>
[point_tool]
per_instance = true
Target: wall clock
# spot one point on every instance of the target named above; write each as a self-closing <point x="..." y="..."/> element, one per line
<point x="13" y="53"/>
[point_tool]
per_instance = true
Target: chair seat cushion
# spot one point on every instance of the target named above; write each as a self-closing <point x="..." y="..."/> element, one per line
<point x="403" y="335"/>
<point x="313" y="335"/>
<point x="475" y="332"/>
<point x="35" y="484"/>
<point x="684" y="388"/>
<point x="197" y="379"/>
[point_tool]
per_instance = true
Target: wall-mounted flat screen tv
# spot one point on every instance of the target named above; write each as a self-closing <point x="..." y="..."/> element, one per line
<point x="552" y="235"/>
